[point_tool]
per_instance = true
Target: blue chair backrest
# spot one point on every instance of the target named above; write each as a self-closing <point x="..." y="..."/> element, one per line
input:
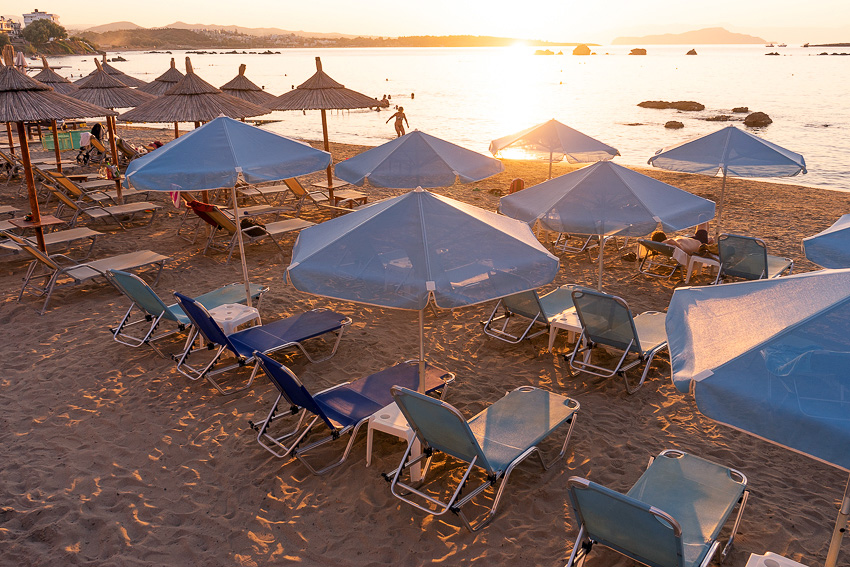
<point x="290" y="387"/>
<point x="606" y="319"/>
<point x="525" y="303"/>
<point x="742" y="256"/>
<point x="657" y="247"/>
<point x="203" y="321"/>
<point x="626" y="525"/>
<point x="440" y="426"/>
<point x="139" y="293"/>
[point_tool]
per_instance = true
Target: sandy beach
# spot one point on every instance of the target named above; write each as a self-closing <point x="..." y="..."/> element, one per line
<point x="110" y="457"/>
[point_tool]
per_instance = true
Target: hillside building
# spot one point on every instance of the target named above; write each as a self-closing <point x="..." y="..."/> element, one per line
<point x="36" y="15"/>
<point x="10" y="27"/>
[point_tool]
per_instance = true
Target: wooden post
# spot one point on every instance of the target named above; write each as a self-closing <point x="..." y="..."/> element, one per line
<point x="327" y="144"/>
<point x="36" y="214"/>
<point x="9" y="133"/>
<point x="110" y="124"/>
<point x="56" y="146"/>
<point x="176" y="131"/>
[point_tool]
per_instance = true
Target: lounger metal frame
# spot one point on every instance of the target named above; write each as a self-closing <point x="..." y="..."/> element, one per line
<point x="726" y="270"/>
<point x="658" y="256"/>
<point x="512" y="307"/>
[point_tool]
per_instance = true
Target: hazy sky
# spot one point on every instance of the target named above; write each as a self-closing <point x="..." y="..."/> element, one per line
<point x="564" y="20"/>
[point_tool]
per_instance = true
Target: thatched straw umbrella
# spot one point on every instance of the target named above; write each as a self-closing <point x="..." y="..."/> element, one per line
<point x="163" y="84"/>
<point x="115" y="73"/>
<point x="241" y="87"/>
<point x="104" y="90"/>
<point x="320" y="92"/>
<point x="24" y="99"/>
<point x="53" y="79"/>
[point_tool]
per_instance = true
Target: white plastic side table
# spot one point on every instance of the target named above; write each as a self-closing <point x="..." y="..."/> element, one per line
<point x="568" y="321"/>
<point x="391" y="420"/>
<point x="771" y="560"/>
<point x="233" y="315"/>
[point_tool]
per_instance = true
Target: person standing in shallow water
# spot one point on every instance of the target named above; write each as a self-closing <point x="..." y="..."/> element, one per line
<point x="400" y="121"/>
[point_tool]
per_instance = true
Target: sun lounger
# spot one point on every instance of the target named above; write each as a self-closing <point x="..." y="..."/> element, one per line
<point x="607" y="320"/>
<point x="271" y="337"/>
<point x="56" y="238"/>
<point x="57" y="270"/>
<point x="534" y="309"/>
<point x="658" y="259"/>
<point x="155" y="313"/>
<point x="671" y="517"/>
<point x="341" y="409"/>
<point x="115" y="213"/>
<point x="494" y="441"/>
<point x="97" y="190"/>
<point x="319" y="198"/>
<point x="746" y="257"/>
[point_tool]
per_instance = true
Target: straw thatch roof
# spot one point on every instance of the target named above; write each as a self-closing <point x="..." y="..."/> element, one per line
<point x="115" y="73"/>
<point x="103" y="89"/>
<point x="25" y="99"/>
<point x="164" y="82"/>
<point x="192" y="100"/>
<point x="241" y="87"/>
<point x="53" y="79"/>
<point x="320" y="92"/>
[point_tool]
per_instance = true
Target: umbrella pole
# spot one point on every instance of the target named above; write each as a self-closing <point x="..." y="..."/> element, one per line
<point x="36" y="214"/>
<point x="110" y="124"/>
<point x="840" y="528"/>
<point x="241" y="247"/>
<point x="56" y="146"/>
<point x="601" y="250"/>
<point x="550" y="165"/>
<point x="176" y="131"/>
<point x="9" y="133"/>
<point x="422" y="350"/>
<point x="720" y="207"/>
<point x="330" y="165"/>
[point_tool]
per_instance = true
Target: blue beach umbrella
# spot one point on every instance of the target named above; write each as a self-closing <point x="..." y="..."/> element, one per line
<point x="831" y="247"/>
<point x="770" y="358"/>
<point x="218" y="154"/>
<point x="729" y="151"/>
<point x="607" y="199"/>
<point x="407" y="251"/>
<point x="556" y="142"/>
<point x="417" y="160"/>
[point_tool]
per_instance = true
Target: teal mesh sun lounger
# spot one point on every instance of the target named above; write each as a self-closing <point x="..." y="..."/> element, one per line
<point x="746" y="257"/>
<point x="607" y="320"/>
<point x="494" y="441"/>
<point x="671" y="517"/>
<point x="531" y="308"/>
<point x="154" y="311"/>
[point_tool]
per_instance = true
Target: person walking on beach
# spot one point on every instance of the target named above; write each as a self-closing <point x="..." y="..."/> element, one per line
<point x="400" y="121"/>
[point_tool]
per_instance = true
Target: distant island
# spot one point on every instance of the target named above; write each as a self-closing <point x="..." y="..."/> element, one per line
<point x="179" y="35"/>
<point x="704" y="36"/>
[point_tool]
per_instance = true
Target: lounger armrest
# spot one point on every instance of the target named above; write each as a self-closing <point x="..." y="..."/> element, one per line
<point x="58" y="256"/>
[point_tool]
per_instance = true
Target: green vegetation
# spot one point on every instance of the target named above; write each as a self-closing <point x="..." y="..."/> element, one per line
<point x="4" y="40"/>
<point x="41" y="31"/>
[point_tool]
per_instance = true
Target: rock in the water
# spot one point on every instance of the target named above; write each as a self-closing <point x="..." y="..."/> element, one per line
<point x="654" y="104"/>
<point x="638" y="51"/>
<point x="691" y="52"/>
<point x="674" y="124"/>
<point x="740" y="109"/>
<point x="757" y="119"/>
<point x="719" y="118"/>
<point x="772" y="53"/>
<point x="687" y="105"/>
<point x="581" y="50"/>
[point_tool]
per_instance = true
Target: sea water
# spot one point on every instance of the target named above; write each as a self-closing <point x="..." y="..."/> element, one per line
<point x="470" y="96"/>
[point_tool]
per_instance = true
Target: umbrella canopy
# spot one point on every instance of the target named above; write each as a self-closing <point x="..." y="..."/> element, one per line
<point x="115" y="73"/>
<point x="417" y="159"/>
<point x="729" y="151"/>
<point x="53" y="79"/>
<point x="556" y="142"/>
<point x="831" y="247"/>
<point x="212" y="156"/>
<point x="103" y="89"/>
<point x="770" y="358"/>
<point x="241" y="87"/>
<point x="607" y="199"/>
<point x="192" y="100"/>
<point x="164" y="82"/>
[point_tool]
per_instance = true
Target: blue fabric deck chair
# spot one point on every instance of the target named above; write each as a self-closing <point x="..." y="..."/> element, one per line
<point x="270" y="337"/>
<point x="494" y="441"/>
<point x="534" y="309"/>
<point x="671" y="517"/>
<point x="342" y="409"/>
<point x="607" y="320"/>
<point x="747" y="258"/>
<point x="154" y="311"/>
<point x="658" y="259"/>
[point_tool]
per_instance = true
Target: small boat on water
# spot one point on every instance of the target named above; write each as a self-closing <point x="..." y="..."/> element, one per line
<point x="782" y="45"/>
<point x="769" y="45"/>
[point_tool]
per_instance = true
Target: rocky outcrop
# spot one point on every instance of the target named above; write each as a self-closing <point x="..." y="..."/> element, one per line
<point x="757" y="119"/>
<point x="684" y="105"/>
<point x="691" y="52"/>
<point x="638" y="51"/>
<point x="674" y="125"/>
<point x="581" y="50"/>
<point x="740" y="110"/>
<point x="719" y="118"/>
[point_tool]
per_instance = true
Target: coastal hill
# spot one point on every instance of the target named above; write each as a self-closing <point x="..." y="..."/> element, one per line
<point x="697" y="37"/>
<point x="253" y="31"/>
<point x="114" y="26"/>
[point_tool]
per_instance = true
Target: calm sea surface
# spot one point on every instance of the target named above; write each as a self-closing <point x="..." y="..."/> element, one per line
<point x="473" y="95"/>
